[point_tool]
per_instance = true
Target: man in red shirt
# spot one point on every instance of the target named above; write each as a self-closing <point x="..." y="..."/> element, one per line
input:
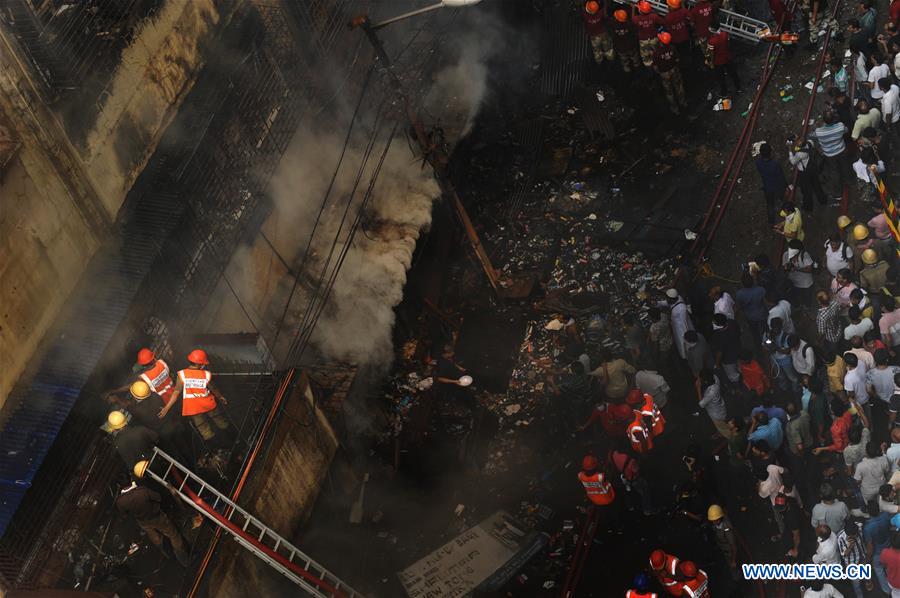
<point x="700" y="16"/>
<point x="890" y="560"/>
<point x="676" y="23"/>
<point x="647" y="24"/>
<point x="719" y="57"/>
<point x="624" y="40"/>
<point x="840" y="427"/>
<point x="595" y="23"/>
<point x="665" y="62"/>
<point x="614" y="418"/>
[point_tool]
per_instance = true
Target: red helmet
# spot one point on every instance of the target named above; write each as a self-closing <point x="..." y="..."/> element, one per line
<point x="145" y="356"/>
<point x="665" y="37"/>
<point x="592" y="7"/>
<point x="688" y="569"/>
<point x="644" y="7"/>
<point x="199" y="357"/>
<point x="657" y="559"/>
<point x="620" y="15"/>
<point x="673" y="4"/>
<point x="589" y="462"/>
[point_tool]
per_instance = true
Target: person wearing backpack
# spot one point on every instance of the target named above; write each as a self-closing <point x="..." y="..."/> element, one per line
<point x="803" y="357"/>
<point x="800" y="267"/>
<point x="838" y="255"/>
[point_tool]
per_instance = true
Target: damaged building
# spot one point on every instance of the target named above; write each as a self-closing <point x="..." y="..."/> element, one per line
<point x="354" y="298"/>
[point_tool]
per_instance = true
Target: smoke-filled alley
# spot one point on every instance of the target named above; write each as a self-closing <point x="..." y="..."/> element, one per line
<point x="420" y="298"/>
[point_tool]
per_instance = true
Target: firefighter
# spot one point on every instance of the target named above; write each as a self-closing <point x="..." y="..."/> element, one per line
<point x="694" y="580"/>
<point x="201" y="398"/>
<point x="155" y="372"/>
<point x="132" y="442"/>
<point x="664" y="567"/>
<point x="647" y="23"/>
<point x="676" y="23"/>
<point x="725" y="538"/>
<point x="651" y="410"/>
<point x="861" y="241"/>
<point x="665" y="62"/>
<point x="720" y="60"/>
<point x="641" y="587"/>
<point x="146" y="407"/>
<point x="624" y="40"/>
<point x="599" y="490"/>
<point x="873" y="276"/>
<point x="595" y="18"/>
<point x="640" y="433"/>
<point x="700" y="17"/>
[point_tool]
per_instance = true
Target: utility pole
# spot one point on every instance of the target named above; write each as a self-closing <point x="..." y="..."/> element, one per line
<point x="433" y="153"/>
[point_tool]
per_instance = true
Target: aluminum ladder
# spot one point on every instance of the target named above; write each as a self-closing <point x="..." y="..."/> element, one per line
<point x="249" y="531"/>
<point x="736" y="24"/>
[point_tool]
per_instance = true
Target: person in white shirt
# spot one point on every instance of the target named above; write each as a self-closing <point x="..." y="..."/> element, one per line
<point x="858" y="326"/>
<point x="878" y="71"/>
<point x="890" y="103"/>
<point x="651" y="383"/>
<point x="723" y="303"/>
<point x="855" y="379"/>
<point x="838" y="255"/>
<point x="780" y="309"/>
<point x="867" y="172"/>
<point x="799" y="266"/>
<point x="827" y="548"/>
<point x="819" y="589"/>
<point x="799" y="152"/>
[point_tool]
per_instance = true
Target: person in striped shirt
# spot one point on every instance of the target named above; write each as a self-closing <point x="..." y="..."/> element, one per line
<point x="830" y="139"/>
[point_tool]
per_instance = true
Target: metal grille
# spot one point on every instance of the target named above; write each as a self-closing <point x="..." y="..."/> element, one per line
<point x="75" y="45"/>
<point x="567" y="51"/>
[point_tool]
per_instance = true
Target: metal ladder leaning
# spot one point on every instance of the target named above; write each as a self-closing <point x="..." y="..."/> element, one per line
<point x="736" y="24"/>
<point x="249" y="531"/>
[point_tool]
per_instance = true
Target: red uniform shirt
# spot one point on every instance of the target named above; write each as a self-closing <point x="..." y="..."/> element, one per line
<point x="647" y="25"/>
<point x="701" y="16"/>
<point x="676" y="23"/>
<point x="614" y="418"/>
<point x="890" y="558"/>
<point x="623" y="35"/>
<point x="697" y="587"/>
<point x="894" y="12"/>
<point x="665" y="58"/>
<point x="594" y="24"/>
<point x="720" y="52"/>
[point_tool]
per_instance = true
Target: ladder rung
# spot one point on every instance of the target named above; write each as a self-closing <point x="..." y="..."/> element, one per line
<point x="262" y="534"/>
<point x="246" y="523"/>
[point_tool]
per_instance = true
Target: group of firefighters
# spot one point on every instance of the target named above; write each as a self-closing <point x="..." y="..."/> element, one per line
<point x="660" y="42"/>
<point x="142" y="420"/>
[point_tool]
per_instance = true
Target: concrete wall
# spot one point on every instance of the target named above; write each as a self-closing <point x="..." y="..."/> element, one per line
<point x="58" y="201"/>
<point x="282" y="492"/>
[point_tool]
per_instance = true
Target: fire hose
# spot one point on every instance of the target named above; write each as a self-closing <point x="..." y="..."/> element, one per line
<point x="582" y="549"/>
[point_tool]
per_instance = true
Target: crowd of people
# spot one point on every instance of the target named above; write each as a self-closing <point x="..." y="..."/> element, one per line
<point x="796" y="364"/>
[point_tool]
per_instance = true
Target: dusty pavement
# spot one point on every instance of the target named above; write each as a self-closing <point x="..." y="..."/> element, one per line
<point x="547" y="194"/>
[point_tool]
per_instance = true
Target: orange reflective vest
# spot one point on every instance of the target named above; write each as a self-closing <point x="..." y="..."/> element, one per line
<point x="697" y="587"/>
<point x="159" y="380"/>
<point x="599" y="491"/>
<point x="666" y="575"/>
<point x="641" y="438"/>
<point x="636" y="594"/>
<point x="652" y="411"/>
<point x="196" y="396"/>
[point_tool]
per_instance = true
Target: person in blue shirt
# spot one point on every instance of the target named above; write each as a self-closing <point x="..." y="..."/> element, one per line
<point x="773" y="181"/>
<point x="877" y="536"/>
<point x="768" y="429"/>
<point x="768" y="407"/>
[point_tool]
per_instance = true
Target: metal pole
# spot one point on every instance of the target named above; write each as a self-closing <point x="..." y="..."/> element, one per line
<point x="435" y="157"/>
<point x="407" y="15"/>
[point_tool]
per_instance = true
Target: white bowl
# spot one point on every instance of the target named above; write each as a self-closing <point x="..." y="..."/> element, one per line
<point x="465" y="380"/>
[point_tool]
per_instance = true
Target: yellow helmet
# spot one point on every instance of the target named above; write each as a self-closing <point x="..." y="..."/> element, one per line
<point x="140" y="390"/>
<point x="139" y="468"/>
<point x="869" y="256"/>
<point x="860" y="232"/>
<point x="116" y="420"/>
<point x="843" y="222"/>
<point x="714" y="513"/>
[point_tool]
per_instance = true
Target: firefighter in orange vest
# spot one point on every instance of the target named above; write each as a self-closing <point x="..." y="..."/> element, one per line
<point x="155" y="372"/>
<point x="664" y="567"/>
<point x="649" y="409"/>
<point x="640" y="430"/>
<point x="599" y="490"/>
<point x="641" y="587"/>
<point x="199" y="403"/>
<point x="694" y="580"/>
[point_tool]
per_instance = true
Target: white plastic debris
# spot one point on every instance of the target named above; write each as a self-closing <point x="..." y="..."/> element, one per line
<point x="689" y="234"/>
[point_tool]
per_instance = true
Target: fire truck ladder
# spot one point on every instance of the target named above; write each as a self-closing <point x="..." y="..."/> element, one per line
<point x="736" y="24"/>
<point x="249" y="531"/>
